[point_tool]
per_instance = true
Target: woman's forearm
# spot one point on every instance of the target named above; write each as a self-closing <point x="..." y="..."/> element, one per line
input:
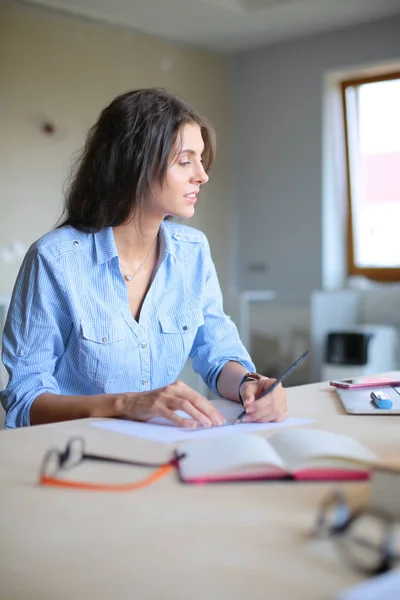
<point x="229" y="379"/>
<point x="49" y="408"/>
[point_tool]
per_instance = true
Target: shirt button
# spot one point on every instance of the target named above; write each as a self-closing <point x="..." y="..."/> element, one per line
<point x="104" y="340"/>
<point x="143" y="345"/>
<point x="144" y="381"/>
<point x="185" y="328"/>
<point x="21" y="353"/>
<point x="76" y="243"/>
<point x="177" y="236"/>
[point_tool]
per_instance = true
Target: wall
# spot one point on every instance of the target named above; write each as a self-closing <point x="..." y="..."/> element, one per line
<point x="278" y="113"/>
<point x="67" y="69"/>
<point x="284" y="240"/>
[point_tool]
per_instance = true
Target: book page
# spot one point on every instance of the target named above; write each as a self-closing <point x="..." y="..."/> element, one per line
<point x="242" y="453"/>
<point x="315" y="447"/>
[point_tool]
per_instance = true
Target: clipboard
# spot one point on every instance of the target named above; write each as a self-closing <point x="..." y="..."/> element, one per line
<point x="358" y="401"/>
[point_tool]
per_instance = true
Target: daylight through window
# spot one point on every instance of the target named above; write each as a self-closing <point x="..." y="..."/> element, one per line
<point x="372" y="133"/>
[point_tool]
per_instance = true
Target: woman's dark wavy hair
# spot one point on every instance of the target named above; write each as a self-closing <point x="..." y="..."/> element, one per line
<point x="125" y="153"/>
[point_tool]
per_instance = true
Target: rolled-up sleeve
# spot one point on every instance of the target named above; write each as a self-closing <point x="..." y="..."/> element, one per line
<point x="217" y="341"/>
<point x="34" y="335"/>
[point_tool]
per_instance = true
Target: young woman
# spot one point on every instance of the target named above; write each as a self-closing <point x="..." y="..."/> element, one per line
<point x="107" y="308"/>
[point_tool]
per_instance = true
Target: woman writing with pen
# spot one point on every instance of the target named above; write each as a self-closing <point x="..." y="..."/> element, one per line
<point x="108" y="307"/>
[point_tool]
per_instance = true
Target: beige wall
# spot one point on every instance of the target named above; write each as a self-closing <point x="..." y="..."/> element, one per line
<point x="67" y="69"/>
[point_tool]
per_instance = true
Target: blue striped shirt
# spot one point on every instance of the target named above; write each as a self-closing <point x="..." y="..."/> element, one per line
<point x="69" y="329"/>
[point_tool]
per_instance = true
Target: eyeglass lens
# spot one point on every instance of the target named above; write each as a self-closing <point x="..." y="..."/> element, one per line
<point x="73" y="453"/>
<point x="333" y="516"/>
<point x="368" y="542"/>
<point x="69" y="458"/>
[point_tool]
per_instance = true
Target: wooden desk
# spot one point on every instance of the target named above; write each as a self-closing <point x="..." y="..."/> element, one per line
<point x="171" y="541"/>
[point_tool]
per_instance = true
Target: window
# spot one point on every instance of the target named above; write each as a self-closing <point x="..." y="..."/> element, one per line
<point x="372" y="132"/>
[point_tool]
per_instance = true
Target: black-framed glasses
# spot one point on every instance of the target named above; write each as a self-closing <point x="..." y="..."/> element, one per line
<point x="56" y="461"/>
<point x="367" y="538"/>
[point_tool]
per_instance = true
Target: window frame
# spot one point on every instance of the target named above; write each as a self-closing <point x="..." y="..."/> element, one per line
<point x="373" y="273"/>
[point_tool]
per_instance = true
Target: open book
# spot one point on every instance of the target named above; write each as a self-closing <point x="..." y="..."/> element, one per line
<point x="304" y="454"/>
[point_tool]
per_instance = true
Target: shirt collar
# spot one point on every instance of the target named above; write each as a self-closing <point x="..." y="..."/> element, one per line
<point x="167" y="243"/>
<point x="105" y="245"/>
<point x="106" y="248"/>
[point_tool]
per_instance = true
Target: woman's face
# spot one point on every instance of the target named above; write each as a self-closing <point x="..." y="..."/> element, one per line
<point x="184" y="176"/>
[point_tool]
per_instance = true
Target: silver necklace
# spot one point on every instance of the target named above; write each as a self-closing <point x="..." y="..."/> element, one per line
<point x="130" y="276"/>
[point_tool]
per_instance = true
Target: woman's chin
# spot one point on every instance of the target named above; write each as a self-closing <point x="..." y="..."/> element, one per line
<point x="184" y="214"/>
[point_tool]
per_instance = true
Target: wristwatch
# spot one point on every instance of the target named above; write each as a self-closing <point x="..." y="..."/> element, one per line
<point x="250" y="376"/>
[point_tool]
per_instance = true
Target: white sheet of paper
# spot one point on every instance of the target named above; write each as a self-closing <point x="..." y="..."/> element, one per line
<point x="162" y="430"/>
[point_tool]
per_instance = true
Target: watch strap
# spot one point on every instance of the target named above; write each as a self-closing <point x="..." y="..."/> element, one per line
<point x="250" y="376"/>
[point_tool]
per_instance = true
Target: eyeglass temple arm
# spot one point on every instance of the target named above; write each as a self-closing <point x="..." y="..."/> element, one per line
<point x="135" y="463"/>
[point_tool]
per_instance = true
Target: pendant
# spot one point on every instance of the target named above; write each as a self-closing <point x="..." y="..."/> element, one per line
<point x="128" y="277"/>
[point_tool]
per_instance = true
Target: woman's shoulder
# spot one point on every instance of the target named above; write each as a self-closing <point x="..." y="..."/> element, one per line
<point x="185" y="233"/>
<point x="59" y="241"/>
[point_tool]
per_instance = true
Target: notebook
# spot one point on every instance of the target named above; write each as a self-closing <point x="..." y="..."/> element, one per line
<point x="299" y="454"/>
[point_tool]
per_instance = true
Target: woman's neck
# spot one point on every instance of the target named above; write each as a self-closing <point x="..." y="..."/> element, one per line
<point x="135" y="240"/>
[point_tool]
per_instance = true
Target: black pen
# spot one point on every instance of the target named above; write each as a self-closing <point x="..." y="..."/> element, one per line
<point x="285" y="374"/>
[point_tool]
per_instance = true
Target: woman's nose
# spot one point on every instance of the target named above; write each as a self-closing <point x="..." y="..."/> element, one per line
<point x="201" y="175"/>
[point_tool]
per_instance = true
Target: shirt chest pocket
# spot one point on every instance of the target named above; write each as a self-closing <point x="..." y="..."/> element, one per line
<point x="103" y="351"/>
<point x="178" y="333"/>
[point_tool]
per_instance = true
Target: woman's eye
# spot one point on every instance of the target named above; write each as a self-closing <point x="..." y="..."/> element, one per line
<point x="184" y="163"/>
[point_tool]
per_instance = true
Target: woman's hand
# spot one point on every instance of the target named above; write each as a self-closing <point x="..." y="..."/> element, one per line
<point x="162" y="402"/>
<point x="271" y="407"/>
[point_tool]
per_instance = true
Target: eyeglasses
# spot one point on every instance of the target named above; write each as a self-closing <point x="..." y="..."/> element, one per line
<point x="74" y="453"/>
<point x="366" y="538"/>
